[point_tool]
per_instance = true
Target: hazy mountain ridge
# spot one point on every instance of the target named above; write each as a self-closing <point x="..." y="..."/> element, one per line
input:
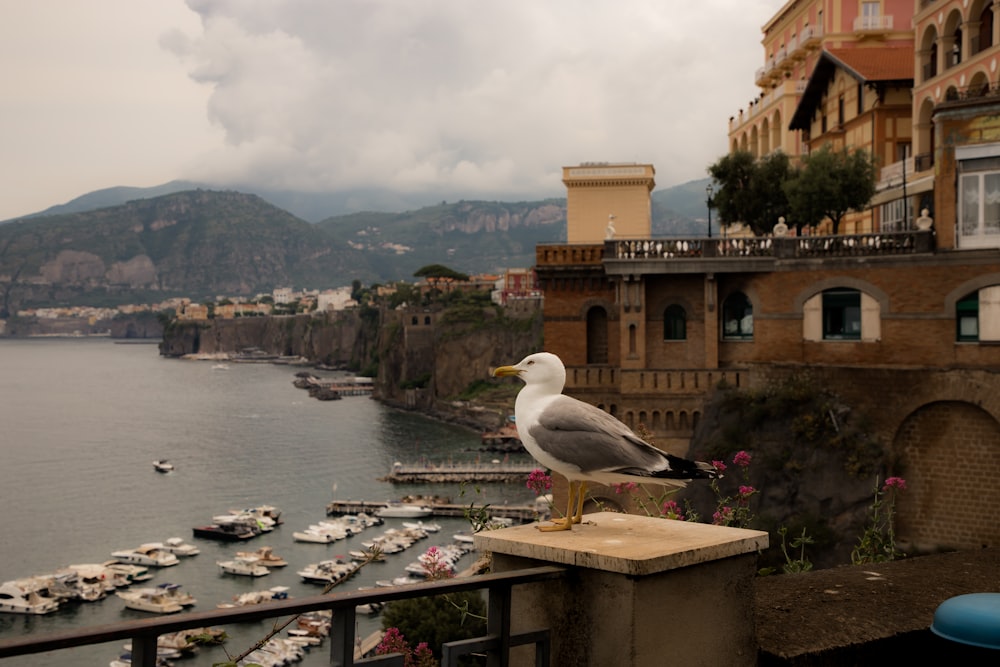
<point x="205" y="243"/>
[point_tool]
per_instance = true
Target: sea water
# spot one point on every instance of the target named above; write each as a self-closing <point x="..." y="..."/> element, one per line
<point x="82" y="420"/>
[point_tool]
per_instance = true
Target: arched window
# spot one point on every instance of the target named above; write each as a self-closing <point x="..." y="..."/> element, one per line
<point x="737" y="317"/>
<point x="841" y="314"/>
<point x="674" y="323"/>
<point x="597" y="336"/>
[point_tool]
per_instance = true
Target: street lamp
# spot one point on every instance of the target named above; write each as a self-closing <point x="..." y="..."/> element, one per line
<point x="709" y="191"/>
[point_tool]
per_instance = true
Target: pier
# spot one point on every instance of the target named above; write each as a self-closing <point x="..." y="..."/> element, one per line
<point x="459" y="472"/>
<point x="522" y="513"/>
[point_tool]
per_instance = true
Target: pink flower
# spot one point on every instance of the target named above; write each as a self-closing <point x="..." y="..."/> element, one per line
<point x="538" y="481"/>
<point x="747" y="491"/>
<point x="894" y="483"/>
<point x="723" y="516"/>
<point x="672" y="510"/>
<point x="719" y="465"/>
<point x="742" y="459"/>
<point x="625" y="487"/>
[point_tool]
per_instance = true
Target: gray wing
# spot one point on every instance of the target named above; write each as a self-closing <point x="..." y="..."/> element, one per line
<point x="581" y="434"/>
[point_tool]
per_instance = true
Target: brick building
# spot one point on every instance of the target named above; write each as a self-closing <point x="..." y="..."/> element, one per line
<point x="649" y="327"/>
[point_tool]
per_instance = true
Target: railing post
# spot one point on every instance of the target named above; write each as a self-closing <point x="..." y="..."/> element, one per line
<point x="639" y="591"/>
<point x="342" y="638"/>
<point x="498" y="625"/>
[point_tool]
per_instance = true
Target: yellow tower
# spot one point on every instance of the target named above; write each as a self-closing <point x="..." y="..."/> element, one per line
<point x="605" y="199"/>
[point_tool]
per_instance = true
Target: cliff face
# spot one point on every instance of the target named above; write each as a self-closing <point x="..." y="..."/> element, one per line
<point x="344" y="338"/>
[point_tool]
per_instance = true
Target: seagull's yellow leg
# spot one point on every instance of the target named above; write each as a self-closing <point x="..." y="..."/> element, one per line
<point x="582" y="492"/>
<point x="563" y="523"/>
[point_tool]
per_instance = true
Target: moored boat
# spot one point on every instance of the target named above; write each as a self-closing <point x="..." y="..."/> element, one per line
<point x="247" y="567"/>
<point x="149" y="599"/>
<point x="25" y="597"/>
<point x="226" y="531"/>
<point x="327" y="571"/>
<point x="404" y="511"/>
<point x="150" y="555"/>
<point x="163" y="465"/>
<point x="179" y="547"/>
<point x="265" y="556"/>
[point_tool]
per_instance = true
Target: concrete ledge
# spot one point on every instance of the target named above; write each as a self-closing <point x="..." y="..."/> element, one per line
<point x="625" y="543"/>
<point x="632" y="584"/>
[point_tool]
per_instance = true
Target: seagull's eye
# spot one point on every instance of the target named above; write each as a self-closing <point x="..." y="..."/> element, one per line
<point x="530" y="363"/>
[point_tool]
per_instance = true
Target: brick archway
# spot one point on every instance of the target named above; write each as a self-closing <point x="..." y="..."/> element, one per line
<point x="950" y="457"/>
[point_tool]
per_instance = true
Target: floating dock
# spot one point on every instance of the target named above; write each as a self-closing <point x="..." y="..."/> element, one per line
<point x="521" y="513"/>
<point x="459" y="472"/>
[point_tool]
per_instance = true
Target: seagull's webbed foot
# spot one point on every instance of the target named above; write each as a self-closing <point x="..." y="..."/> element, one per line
<point x="566" y="522"/>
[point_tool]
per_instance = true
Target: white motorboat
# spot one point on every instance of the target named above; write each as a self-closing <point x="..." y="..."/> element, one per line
<point x="256" y="597"/>
<point x="404" y="511"/>
<point x="150" y="555"/>
<point x="126" y="574"/>
<point x="163" y="465"/>
<point x="327" y="571"/>
<point x="25" y="597"/>
<point x="246" y="567"/>
<point x="149" y="599"/>
<point x="318" y="534"/>
<point x="420" y="525"/>
<point x="179" y="547"/>
<point x="174" y="592"/>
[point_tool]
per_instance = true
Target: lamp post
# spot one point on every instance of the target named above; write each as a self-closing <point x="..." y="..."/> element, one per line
<point x="709" y="191"/>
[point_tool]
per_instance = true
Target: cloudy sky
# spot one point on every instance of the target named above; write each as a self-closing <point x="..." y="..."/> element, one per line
<point x="461" y="98"/>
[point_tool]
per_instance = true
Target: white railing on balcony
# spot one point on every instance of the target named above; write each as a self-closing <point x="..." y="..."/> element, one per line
<point x="873" y="23"/>
<point x="895" y="171"/>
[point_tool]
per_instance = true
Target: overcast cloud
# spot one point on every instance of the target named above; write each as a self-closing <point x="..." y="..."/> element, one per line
<point x="464" y="98"/>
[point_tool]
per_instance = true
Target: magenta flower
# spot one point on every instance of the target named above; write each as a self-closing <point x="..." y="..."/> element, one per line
<point x="538" y="481"/>
<point x="742" y="459"/>
<point x="719" y="465"/>
<point x="747" y="491"/>
<point x="723" y="516"/>
<point x="894" y="483"/>
<point x="625" y="487"/>
<point x="672" y="510"/>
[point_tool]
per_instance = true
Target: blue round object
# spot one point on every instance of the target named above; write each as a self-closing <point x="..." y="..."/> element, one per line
<point x="972" y="619"/>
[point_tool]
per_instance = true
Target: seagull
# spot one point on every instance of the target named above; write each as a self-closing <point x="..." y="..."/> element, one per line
<point x="584" y="443"/>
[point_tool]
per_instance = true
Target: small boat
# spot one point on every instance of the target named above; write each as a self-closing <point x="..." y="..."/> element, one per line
<point x="265" y="556"/>
<point x="150" y="555"/>
<point x="179" y="547"/>
<point x="220" y="367"/>
<point x="163" y="465"/>
<point x="127" y="574"/>
<point x="246" y="567"/>
<point x="404" y="511"/>
<point x="23" y="597"/>
<point x="149" y="599"/>
<point x="256" y="597"/>
<point x="173" y="592"/>
<point x="420" y="525"/>
<point x="230" y="531"/>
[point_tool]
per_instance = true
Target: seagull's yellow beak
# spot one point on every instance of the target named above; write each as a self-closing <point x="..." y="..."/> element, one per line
<point x="505" y="371"/>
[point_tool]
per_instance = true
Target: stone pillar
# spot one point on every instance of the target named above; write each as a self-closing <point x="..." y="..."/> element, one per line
<point x="639" y="591"/>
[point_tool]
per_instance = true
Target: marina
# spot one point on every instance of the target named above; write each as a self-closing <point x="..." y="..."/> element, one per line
<point x="522" y="513"/>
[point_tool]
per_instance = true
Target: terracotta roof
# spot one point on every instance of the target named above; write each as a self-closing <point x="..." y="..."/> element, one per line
<point x="877" y="64"/>
<point x="867" y="65"/>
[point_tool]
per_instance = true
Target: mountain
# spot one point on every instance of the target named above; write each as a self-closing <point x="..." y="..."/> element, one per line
<point x="196" y="243"/>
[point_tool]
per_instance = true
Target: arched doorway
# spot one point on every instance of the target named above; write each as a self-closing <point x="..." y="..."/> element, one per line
<point x="950" y="457"/>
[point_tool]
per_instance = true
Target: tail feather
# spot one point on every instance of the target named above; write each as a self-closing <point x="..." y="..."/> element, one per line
<point x="679" y="468"/>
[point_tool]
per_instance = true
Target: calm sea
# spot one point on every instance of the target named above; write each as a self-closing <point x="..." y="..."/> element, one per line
<point x="82" y="420"/>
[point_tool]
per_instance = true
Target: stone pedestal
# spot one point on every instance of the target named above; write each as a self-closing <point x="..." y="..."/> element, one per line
<point x="640" y="591"/>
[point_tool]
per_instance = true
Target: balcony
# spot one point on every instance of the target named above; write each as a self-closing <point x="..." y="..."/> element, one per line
<point x="810" y="38"/>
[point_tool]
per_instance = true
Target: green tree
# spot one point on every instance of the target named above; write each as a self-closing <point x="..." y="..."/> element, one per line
<point x="437" y="619"/>
<point x="436" y="273"/>
<point x="750" y="190"/>
<point x="829" y="184"/>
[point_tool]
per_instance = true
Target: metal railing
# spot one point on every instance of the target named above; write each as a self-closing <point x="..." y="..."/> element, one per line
<point x="496" y="643"/>
<point x="787" y="247"/>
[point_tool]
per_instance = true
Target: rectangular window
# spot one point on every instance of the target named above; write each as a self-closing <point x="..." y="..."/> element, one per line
<point x="871" y="15"/>
<point x="895" y="216"/>
<point x="967" y="318"/>
<point x="979" y="209"/>
<point x="841" y="315"/>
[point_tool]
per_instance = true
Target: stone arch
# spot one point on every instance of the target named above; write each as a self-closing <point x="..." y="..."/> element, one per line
<point x="925" y="129"/>
<point x="597" y="319"/>
<point x="754" y="142"/>
<point x="979" y="83"/>
<point x="949" y="454"/>
<point x="842" y="281"/>
<point x="765" y="136"/>
<point x="928" y="53"/>
<point x="960" y="292"/>
<point x="951" y="34"/>
<point x="981" y="18"/>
